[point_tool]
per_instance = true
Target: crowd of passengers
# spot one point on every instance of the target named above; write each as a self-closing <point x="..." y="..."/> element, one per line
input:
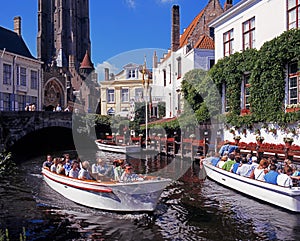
<point x="268" y="170"/>
<point x="100" y="170"/>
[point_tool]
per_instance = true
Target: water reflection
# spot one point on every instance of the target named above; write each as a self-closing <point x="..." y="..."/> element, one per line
<point x="189" y="209"/>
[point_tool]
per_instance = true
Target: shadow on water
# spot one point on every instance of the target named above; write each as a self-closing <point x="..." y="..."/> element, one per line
<point x="190" y="208"/>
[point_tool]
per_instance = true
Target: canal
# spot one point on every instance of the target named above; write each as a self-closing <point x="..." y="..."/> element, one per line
<point x="191" y="208"/>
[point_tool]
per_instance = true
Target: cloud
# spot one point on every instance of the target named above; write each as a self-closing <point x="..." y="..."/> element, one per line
<point x="130" y="3"/>
<point x="100" y="69"/>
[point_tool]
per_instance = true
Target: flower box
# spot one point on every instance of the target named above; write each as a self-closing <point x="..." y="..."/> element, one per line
<point x="292" y="109"/>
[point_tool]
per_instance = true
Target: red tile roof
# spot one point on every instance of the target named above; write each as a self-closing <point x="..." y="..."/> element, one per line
<point x="188" y="32"/>
<point x="86" y="62"/>
<point x="205" y="42"/>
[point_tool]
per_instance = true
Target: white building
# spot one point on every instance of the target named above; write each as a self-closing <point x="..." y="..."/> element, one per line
<point x="120" y="92"/>
<point x="20" y="72"/>
<point x="194" y="49"/>
<point x="249" y="24"/>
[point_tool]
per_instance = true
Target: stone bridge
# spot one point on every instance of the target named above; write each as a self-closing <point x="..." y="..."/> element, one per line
<point x="17" y="124"/>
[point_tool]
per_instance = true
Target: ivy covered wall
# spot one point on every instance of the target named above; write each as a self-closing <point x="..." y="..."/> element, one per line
<point x="267" y="68"/>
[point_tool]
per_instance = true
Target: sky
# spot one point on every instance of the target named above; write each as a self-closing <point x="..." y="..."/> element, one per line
<point x="121" y="31"/>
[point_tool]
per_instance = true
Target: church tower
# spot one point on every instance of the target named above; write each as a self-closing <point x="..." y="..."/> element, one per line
<point x="63" y="42"/>
<point x="63" y="31"/>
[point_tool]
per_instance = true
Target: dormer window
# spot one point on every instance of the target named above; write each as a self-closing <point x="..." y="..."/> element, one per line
<point x="132" y="74"/>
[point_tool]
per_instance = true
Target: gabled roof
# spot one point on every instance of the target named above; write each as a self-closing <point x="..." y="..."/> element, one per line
<point x="132" y="66"/>
<point x="188" y="32"/>
<point x="13" y="43"/>
<point x="86" y="62"/>
<point x="205" y="42"/>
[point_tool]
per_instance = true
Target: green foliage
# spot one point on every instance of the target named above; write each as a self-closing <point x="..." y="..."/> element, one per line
<point x="267" y="68"/>
<point x="201" y="95"/>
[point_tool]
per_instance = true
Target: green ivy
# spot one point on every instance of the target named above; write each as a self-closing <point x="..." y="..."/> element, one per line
<point x="267" y="68"/>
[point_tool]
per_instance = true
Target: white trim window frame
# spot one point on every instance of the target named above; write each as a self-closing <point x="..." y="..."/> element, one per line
<point x="228" y="42"/>
<point x="125" y="95"/>
<point x="7" y="74"/>
<point x="293" y="84"/>
<point x="249" y="34"/>
<point x="110" y="96"/>
<point x="293" y="14"/>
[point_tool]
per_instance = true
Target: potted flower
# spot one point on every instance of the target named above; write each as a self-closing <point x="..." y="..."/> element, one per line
<point x="237" y="139"/>
<point x="259" y="139"/>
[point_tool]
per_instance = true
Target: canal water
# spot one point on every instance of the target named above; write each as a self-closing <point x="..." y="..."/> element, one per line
<point x="190" y="208"/>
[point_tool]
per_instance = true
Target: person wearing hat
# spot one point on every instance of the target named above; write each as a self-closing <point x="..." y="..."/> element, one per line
<point x="129" y="176"/>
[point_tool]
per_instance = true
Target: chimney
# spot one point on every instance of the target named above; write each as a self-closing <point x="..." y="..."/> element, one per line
<point x="17" y="25"/>
<point x="106" y="74"/>
<point x="175" y="37"/>
<point x="227" y="5"/>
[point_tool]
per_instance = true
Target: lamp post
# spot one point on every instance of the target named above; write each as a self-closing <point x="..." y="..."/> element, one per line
<point x="146" y="88"/>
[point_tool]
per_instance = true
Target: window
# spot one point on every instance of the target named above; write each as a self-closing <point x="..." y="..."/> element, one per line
<point x="125" y="95"/>
<point x="165" y="77"/>
<point x="293" y="84"/>
<point x="179" y="67"/>
<point x="22" y="76"/>
<point x="228" y="42"/>
<point x="131" y="74"/>
<point x="139" y="94"/>
<point x="34" y="79"/>
<point x="249" y="34"/>
<point x="6" y="74"/>
<point x="7" y="102"/>
<point x="21" y="101"/>
<point x="293" y="13"/>
<point x="246" y="92"/>
<point x="110" y="95"/>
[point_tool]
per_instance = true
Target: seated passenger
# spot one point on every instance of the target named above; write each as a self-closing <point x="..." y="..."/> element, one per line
<point x="118" y="169"/>
<point x="47" y="164"/>
<point x="284" y="179"/>
<point x="67" y="164"/>
<point x="54" y="165"/>
<point x="230" y="161"/>
<point x="222" y="161"/>
<point x="244" y="169"/>
<point x="99" y="167"/>
<point x="129" y="176"/>
<point x="74" y="170"/>
<point x="60" y="166"/>
<point x="260" y="171"/>
<point x="84" y="171"/>
<point x="237" y="163"/>
<point x="214" y="161"/>
<point x="271" y="176"/>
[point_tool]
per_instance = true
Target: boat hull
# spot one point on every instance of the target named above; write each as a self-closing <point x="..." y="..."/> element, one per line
<point x="112" y="196"/>
<point x="118" y="149"/>
<point x="284" y="197"/>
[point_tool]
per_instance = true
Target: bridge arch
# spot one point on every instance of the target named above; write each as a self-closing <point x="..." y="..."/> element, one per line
<point x="16" y="125"/>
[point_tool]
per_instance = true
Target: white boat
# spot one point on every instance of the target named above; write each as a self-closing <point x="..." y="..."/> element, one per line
<point x="284" y="197"/>
<point x="113" y="196"/>
<point x="112" y="147"/>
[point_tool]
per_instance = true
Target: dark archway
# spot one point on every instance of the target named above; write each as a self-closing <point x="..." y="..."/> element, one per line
<point x="43" y="141"/>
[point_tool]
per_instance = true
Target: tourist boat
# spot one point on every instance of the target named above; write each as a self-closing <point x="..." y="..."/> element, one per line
<point x="113" y="147"/>
<point x="109" y="195"/>
<point x="284" y="197"/>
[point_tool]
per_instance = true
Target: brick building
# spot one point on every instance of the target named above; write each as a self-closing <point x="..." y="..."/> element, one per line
<point x="63" y="44"/>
